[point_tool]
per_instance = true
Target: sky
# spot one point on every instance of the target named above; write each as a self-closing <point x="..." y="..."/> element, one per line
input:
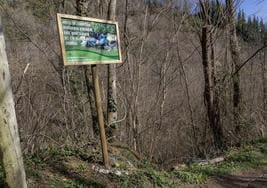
<point x="255" y="7"/>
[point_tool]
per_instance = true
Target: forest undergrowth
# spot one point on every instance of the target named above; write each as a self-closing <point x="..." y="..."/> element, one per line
<point x="77" y="168"/>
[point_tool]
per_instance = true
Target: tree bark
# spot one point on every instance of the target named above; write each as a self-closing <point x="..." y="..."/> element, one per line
<point x="211" y="90"/>
<point x="82" y="7"/>
<point x="216" y="115"/>
<point x="264" y="91"/>
<point x="235" y="53"/>
<point x="10" y="152"/>
<point x="91" y="97"/>
<point x="82" y="10"/>
<point x="112" y="108"/>
<point x="210" y="96"/>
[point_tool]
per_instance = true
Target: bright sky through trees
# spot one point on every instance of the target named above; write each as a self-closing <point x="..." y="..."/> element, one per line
<point x="255" y="7"/>
<point x="251" y="7"/>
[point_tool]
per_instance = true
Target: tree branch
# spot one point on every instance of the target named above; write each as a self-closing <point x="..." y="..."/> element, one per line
<point x="251" y="57"/>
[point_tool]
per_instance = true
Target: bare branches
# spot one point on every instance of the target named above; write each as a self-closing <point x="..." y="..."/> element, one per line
<point x="248" y="59"/>
<point x="43" y="51"/>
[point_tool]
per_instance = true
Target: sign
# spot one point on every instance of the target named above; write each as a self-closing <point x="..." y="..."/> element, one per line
<point x="88" y="41"/>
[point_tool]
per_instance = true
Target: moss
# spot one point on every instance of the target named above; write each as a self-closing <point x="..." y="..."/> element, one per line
<point x="70" y="184"/>
<point x="147" y="175"/>
<point x="245" y="158"/>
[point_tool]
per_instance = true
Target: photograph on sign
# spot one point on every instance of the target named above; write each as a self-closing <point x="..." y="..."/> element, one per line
<point x="88" y="40"/>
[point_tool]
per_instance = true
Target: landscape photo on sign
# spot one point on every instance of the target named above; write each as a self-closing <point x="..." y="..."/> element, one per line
<point x="88" y="41"/>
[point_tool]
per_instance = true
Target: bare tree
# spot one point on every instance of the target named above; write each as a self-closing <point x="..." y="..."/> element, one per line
<point x="82" y="10"/>
<point x="82" y="7"/>
<point x="208" y="60"/>
<point x="235" y="53"/>
<point x="264" y="91"/>
<point x="112" y="107"/>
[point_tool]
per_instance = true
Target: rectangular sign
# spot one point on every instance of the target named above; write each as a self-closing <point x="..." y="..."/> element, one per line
<point x="88" y="41"/>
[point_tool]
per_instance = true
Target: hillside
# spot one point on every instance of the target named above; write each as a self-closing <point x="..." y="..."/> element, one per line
<point x="78" y="168"/>
<point x="152" y="89"/>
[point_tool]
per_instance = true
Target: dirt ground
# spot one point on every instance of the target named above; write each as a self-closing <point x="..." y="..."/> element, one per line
<point x="251" y="179"/>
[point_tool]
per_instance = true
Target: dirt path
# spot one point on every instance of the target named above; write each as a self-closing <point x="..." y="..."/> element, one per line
<point x="250" y="179"/>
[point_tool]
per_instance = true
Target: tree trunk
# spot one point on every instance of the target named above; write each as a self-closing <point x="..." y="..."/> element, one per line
<point x="112" y="108"/>
<point x="264" y="83"/>
<point x="10" y="152"/>
<point x="82" y="7"/>
<point x="91" y="97"/>
<point x="216" y="116"/>
<point x="235" y="53"/>
<point x="82" y="10"/>
<point x="210" y="91"/>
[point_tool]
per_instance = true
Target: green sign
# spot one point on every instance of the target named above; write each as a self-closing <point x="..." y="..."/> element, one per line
<point x="88" y="40"/>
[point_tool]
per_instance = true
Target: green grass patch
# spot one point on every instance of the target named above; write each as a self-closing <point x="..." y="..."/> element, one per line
<point x="58" y="183"/>
<point x="236" y="160"/>
<point x="66" y="184"/>
<point x="58" y="154"/>
<point x="147" y="175"/>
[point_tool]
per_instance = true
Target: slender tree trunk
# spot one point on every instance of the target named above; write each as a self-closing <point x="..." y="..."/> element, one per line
<point x="136" y="85"/>
<point x="129" y="118"/>
<point x="206" y="70"/>
<point x="125" y="31"/>
<point x="128" y="72"/>
<point x="82" y="10"/>
<point x="235" y="53"/>
<point x="264" y="82"/>
<point x="195" y="148"/>
<point x="210" y="95"/>
<point x="205" y="62"/>
<point x="10" y="152"/>
<point x="216" y="116"/>
<point x="112" y="108"/>
<point x="91" y="97"/>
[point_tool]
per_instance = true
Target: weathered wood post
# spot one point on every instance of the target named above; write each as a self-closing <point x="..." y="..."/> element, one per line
<point x="10" y="152"/>
<point x="100" y="116"/>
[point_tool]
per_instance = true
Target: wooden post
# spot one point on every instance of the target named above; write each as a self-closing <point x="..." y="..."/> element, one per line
<point x="10" y="152"/>
<point x="100" y="116"/>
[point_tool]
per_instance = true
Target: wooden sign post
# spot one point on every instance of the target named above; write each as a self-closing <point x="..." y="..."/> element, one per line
<point x="100" y="116"/>
<point x="89" y="41"/>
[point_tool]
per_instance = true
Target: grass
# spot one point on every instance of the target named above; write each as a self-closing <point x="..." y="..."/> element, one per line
<point x="83" y="54"/>
<point x="66" y="167"/>
<point x="143" y="173"/>
<point x="66" y="184"/>
<point x="236" y="160"/>
<point x="147" y="175"/>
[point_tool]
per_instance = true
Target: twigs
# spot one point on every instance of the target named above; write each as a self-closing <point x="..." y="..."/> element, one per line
<point x="248" y="60"/>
